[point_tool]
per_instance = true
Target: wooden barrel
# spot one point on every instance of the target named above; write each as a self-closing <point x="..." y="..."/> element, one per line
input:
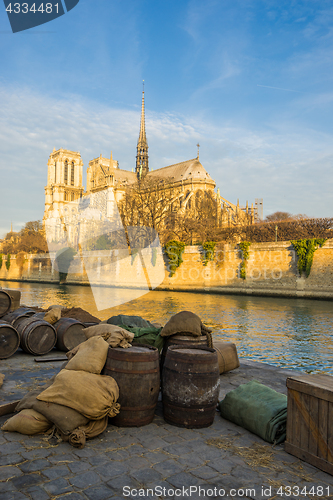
<point x="15" y="296"/>
<point x="179" y="339"/>
<point x="9" y="340"/>
<point x="22" y="312"/>
<point x="227" y="356"/>
<point x="70" y="333"/>
<point x="191" y="382"/>
<point x="5" y="302"/>
<point x="37" y="336"/>
<point x="137" y="373"/>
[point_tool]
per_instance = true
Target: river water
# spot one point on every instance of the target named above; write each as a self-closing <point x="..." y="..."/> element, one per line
<point x="290" y="333"/>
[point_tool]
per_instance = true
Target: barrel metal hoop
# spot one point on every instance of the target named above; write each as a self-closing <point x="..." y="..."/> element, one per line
<point x="137" y="408"/>
<point x="186" y="408"/>
<point x="136" y="372"/>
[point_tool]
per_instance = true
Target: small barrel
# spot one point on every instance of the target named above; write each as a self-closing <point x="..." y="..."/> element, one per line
<point x="5" y="302"/>
<point x="9" y="340"/>
<point x="137" y="373"/>
<point x="37" y="337"/>
<point x="191" y="382"/>
<point x="22" y="312"/>
<point x="70" y="333"/>
<point x="15" y="296"/>
<point x="227" y="356"/>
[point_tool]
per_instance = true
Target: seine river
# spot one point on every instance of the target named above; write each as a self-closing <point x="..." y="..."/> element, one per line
<point x="290" y="333"/>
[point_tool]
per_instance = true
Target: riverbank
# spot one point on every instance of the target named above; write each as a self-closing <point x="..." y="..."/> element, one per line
<point x="271" y="271"/>
<point x="223" y="456"/>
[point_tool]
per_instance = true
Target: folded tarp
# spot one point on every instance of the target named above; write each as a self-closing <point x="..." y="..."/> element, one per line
<point x="144" y="331"/>
<point x="258" y="409"/>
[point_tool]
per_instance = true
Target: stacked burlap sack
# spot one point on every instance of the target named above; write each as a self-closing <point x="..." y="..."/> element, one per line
<point x="187" y="323"/>
<point x="76" y="403"/>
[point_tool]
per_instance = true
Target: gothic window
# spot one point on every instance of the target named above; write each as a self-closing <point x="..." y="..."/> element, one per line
<point x="72" y="174"/>
<point x="72" y="196"/>
<point x="198" y="198"/>
<point x="66" y="172"/>
<point x="55" y="172"/>
<point x="189" y="205"/>
<point x="65" y="197"/>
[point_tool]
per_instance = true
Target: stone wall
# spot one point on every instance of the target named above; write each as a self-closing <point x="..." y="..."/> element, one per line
<point x="271" y="270"/>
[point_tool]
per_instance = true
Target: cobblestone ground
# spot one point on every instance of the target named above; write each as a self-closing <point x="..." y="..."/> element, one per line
<point x="221" y="461"/>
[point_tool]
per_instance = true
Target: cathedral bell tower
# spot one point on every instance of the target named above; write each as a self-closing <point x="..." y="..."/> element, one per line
<point x="142" y="167"/>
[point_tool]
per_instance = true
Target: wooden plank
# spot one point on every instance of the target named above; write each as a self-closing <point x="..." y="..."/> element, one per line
<point x="42" y="359"/>
<point x="304" y="420"/>
<point x="330" y="433"/>
<point x="314" y="417"/>
<point x="322" y="427"/>
<point x="7" y="408"/>
<point x="295" y="436"/>
<point x="320" y="386"/>
<point x="309" y="458"/>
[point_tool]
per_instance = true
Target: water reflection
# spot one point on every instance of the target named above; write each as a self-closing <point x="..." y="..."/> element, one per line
<point x="291" y="333"/>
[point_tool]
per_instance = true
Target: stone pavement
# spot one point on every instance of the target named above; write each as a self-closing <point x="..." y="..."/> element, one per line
<point x="221" y="461"/>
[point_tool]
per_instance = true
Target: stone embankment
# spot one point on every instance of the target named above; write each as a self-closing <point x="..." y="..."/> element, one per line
<point x="271" y="270"/>
<point x="223" y="460"/>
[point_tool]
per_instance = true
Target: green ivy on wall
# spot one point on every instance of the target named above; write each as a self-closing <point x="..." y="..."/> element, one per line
<point x="244" y="247"/>
<point x="208" y="252"/>
<point x="174" y="250"/>
<point x="8" y="262"/>
<point x="154" y="256"/>
<point x="305" y="250"/>
<point x="1" y="256"/>
<point x="134" y="253"/>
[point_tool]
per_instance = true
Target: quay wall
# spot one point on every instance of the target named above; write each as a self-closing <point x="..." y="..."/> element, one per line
<point x="271" y="270"/>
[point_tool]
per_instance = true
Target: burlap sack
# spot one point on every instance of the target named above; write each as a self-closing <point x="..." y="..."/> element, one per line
<point x="28" y="422"/>
<point x="184" y="322"/>
<point x="64" y="418"/>
<point x="2" y="378"/>
<point x="78" y="437"/>
<point x="114" y="335"/>
<point x="90" y="356"/>
<point x="53" y="315"/>
<point x="94" y="396"/>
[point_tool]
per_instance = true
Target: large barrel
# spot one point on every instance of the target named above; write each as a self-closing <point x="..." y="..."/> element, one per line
<point x="184" y="340"/>
<point x="191" y="382"/>
<point x="22" y="312"/>
<point x="9" y="340"/>
<point x="137" y="373"/>
<point x="70" y="333"/>
<point x="227" y="356"/>
<point x="5" y="302"/>
<point x="37" y="336"/>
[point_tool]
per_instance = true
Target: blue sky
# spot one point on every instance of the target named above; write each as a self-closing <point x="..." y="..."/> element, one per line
<point x="251" y="80"/>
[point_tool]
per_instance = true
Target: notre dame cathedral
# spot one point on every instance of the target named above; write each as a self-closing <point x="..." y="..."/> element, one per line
<point x="106" y="185"/>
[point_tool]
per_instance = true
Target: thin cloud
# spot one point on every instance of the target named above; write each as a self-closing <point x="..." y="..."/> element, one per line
<point x="279" y="88"/>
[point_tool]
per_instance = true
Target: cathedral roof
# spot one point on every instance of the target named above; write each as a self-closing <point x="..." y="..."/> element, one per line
<point x="123" y="175"/>
<point x="185" y="170"/>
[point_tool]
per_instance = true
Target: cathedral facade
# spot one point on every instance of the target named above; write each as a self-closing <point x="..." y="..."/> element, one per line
<point x="107" y="183"/>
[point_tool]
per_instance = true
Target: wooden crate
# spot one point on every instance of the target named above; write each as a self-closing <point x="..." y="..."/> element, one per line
<point x="310" y="420"/>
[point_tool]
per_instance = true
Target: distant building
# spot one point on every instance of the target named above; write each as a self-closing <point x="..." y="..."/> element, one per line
<point x="106" y="185"/>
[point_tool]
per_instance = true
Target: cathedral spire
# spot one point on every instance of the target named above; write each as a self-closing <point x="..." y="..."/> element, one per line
<point x="142" y="167"/>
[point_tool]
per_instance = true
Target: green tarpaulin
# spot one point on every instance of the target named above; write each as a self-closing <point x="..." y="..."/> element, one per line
<point x="258" y="409"/>
<point x="144" y="331"/>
